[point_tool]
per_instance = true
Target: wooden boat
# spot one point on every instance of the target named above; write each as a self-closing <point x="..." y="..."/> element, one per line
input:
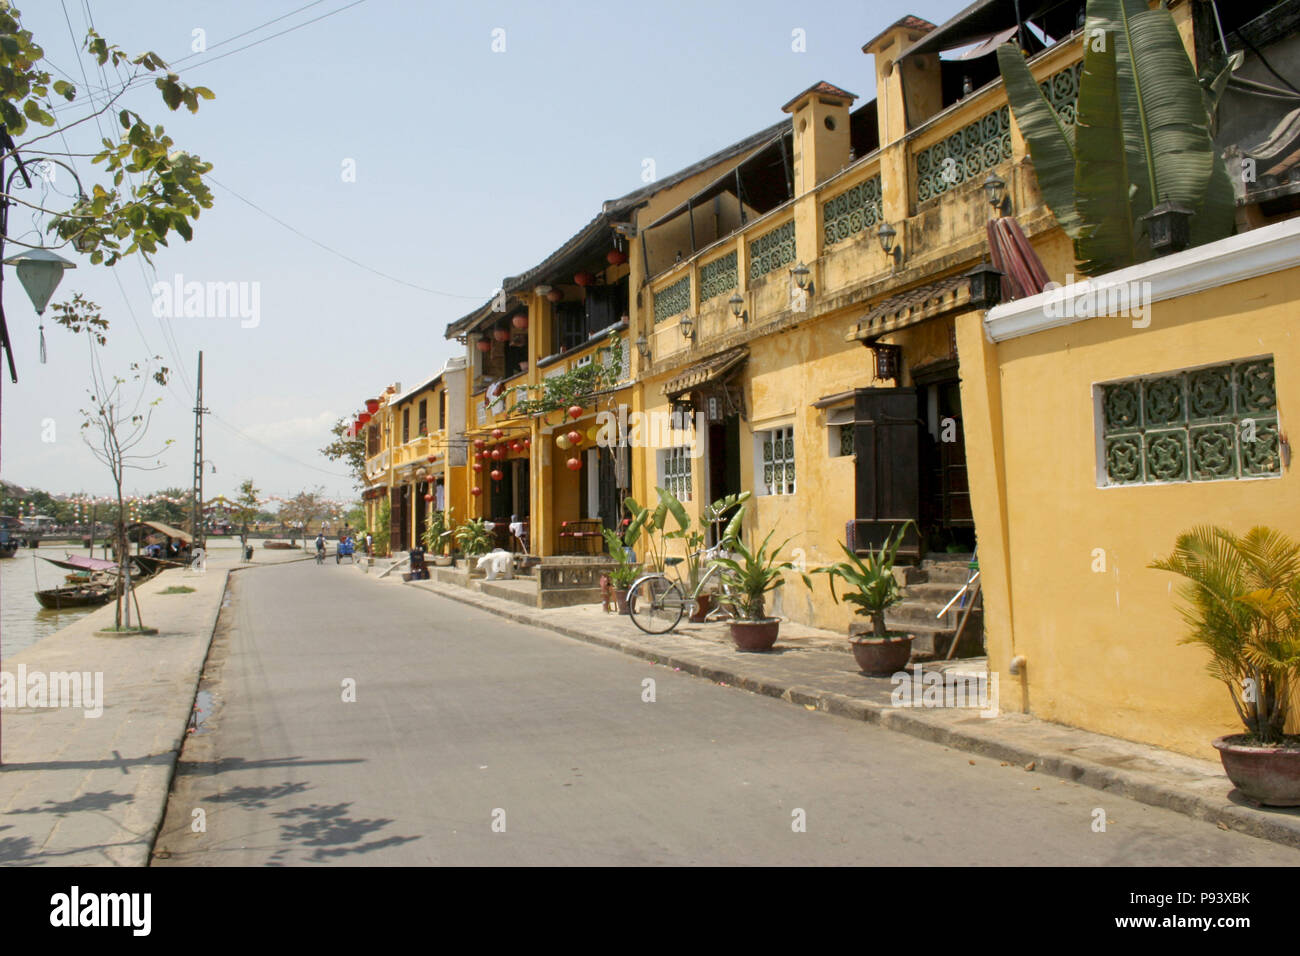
<point x="76" y="595"/>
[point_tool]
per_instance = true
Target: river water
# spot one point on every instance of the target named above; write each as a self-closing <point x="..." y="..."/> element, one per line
<point x="23" y="621"/>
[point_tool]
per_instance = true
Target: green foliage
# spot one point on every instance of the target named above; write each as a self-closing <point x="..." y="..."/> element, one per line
<point x="1243" y="605"/>
<point x="384" y="521"/>
<point x="246" y="504"/>
<point x="439" y="530"/>
<point x="874" y="589"/>
<point x="474" y="538"/>
<point x="618" y="545"/>
<point x="577" y="386"/>
<point x="1142" y="136"/>
<point x="169" y="190"/>
<point x="655" y="524"/>
<point x="351" y="451"/>
<point x="749" y="575"/>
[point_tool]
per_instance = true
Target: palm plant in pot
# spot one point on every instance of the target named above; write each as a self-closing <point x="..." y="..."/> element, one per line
<point x="627" y="569"/>
<point x="439" y="531"/>
<point x="747" y="577"/>
<point x="870" y="584"/>
<point x="1243" y="606"/>
<point x="474" y="539"/>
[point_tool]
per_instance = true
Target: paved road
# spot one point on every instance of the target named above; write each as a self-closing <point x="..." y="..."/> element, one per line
<point x="462" y="718"/>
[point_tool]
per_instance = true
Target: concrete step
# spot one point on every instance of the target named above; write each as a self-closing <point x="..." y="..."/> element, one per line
<point x="931" y="642"/>
<point x="953" y="573"/>
<point x="520" y="590"/>
<point x="941" y="591"/>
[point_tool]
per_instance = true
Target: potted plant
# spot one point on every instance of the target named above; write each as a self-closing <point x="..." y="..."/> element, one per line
<point x="747" y="576"/>
<point x="1243" y="606"/>
<point x="871" y="585"/>
<point x="695" y="538"/>
<point x="439" y="531"/>
<point x="627" y="568"/>
<point x="474" y="539"/>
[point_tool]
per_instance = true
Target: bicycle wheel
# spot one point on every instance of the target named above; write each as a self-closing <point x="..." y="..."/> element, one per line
<point x="655" y="604"/>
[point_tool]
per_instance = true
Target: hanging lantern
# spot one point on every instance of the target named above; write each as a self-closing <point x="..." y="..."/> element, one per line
<point x="497" y="454"/>
<point x="363" y="418"/>
<point x="555" y="295"/>
<point x="520" y="321"/>
<point x="496" y="474"/>
<point x="478" y="466"/>
<point x="501" y="335"/>
<point x="515" y="446"/>
<point x="428" y="497"/>
<point x="497" y="433"/>
<point x="616" y="257"/>
<point x="584" y="279"/>
<point x="372" y="405"/>
<point x="479" y="443"/>
<point x="431" y="458"/>
<point x="575" y="437"/>
<point x="562" y="441"/>
<point x="574" y="464"/>
<point x="528" y="442"/>
<point x="484" y="345"/>
<point x="476" y="491"/>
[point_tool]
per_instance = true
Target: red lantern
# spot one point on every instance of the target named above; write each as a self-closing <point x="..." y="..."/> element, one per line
<point x="555" y="295"/>
<point x="575" y="437"/>
<point x="497" y="433"/>
<point x="574" y="464"/>
<point x="428" y="497"/>
<point x="478" y="466"/>
<point x="431" y="458"/>
<point x="520" y="321"/>
<point x="484" y="345"/>
<point x="616" y="257"/>
<point x="528" y="442"/>
<point x="497" y="454"/>
<point x="476" y="491"/>
<point x="584" y="279"/>
<point x="363" y="417"/>
<point x="501" y="335"/>
<point x="496" y="474"/>
<point x="372" y="405"/>
<point x="479" y="443"/>
<point x="575" y="411"/>
<point x="515" y="446"/>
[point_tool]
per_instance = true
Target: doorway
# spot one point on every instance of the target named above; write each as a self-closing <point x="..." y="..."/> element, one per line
<point x="724" y="468"/>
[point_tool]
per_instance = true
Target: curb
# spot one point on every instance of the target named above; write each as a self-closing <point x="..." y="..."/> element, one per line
<point x="1131" y="785"/>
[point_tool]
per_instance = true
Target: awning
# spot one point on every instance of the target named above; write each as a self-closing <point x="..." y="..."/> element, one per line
<point x="166" y="529"/>
<point x="913" y="307"/>
<point x="712" y="369"/>
<point x="986" y="18"/>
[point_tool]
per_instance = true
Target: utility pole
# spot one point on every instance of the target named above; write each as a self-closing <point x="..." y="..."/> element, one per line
<point x="196" y="513"/>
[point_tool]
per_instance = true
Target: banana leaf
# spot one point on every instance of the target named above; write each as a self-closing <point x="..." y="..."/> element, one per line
<point x="1106" y="239"/>
<point x="1050" y="140"/>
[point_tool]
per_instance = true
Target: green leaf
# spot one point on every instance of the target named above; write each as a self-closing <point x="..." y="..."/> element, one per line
<point x="1050" y="140"/>
<point x="1105" y="240"/>
<point x="65" y="89"/>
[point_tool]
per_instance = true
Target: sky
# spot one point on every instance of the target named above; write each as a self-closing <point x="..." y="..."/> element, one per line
<point x="444" y="145"/>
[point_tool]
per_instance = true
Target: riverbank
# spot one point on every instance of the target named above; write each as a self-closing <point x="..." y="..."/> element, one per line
<point x="85" y="783"/>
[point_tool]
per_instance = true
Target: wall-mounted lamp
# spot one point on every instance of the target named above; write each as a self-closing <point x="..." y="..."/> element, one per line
<point x="738" y="307"/>
<point x="1169" y="226"/>
<point x="687" y="327"/>
<point x="887" y="234"/>
<point x="803" y="278"/>
<point x="643" y="345"/>
<point x="995" y="188"/>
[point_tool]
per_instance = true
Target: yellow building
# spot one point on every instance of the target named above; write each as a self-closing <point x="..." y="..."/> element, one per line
<point x="415" y="454"/>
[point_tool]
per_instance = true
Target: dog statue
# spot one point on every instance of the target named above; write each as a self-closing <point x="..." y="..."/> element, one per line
<point x="498" y="563"/>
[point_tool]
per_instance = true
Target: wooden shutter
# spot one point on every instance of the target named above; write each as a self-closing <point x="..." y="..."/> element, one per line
<point x="886" y="440"/>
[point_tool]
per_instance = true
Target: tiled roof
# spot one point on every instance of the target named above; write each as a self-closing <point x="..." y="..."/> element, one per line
<point x="822" y="89"/>
<point x="908" y="22"/>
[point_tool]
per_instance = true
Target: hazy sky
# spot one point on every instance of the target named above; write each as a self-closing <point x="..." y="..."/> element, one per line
<point x="470" y="165"/>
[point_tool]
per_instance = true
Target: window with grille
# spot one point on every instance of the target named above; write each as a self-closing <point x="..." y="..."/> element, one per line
<point x="777" y="461"/>
<point x="1206" y="424"/>
<point x="846" y="439"/>
<point x="675" y="471"/>
<point x="424" y="416"/>
<point x="406" y="425"/>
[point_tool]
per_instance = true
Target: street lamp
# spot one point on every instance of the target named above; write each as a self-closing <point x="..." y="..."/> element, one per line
<point x="886" y="234"/>
<point x="995" y="188"/>
<point x="40" y="271"/>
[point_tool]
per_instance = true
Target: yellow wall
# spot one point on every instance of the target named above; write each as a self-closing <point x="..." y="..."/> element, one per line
<point x="1102" y="647"/>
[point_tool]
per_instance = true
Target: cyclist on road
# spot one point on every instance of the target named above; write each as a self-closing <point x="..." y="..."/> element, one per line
<point x="320" y="548"/>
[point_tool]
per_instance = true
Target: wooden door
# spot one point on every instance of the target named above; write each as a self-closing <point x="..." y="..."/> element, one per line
<point x="886" y="442"/>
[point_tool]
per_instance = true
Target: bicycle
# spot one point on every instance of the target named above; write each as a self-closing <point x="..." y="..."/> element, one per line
<point x="656" y="604"/>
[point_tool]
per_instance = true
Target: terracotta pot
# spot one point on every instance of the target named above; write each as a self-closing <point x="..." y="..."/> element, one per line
<point x="882" y="656"/>
<point x="704" y="605"/>
<point x="755" y="635"/>
<point x="620" y="600"/>
<point x="1266" y="774"/>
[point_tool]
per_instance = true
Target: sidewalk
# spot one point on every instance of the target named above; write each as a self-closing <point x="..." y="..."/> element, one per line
<point x="77" y="790"/>
<point x="815" y="668"/>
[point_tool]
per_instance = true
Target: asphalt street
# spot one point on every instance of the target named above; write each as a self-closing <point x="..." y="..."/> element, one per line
<point x="472" y="740"/>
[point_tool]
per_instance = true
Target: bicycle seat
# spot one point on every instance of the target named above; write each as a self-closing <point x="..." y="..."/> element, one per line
<point x="672" y="562"/>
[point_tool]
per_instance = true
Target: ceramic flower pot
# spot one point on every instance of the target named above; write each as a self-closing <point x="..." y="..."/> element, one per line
<point x="755" y="635"/>
<point x="880" y="656"/>
<point x="1267" y="774"/>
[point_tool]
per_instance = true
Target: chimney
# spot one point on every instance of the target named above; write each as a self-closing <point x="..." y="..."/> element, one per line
<point x="820" y="115"/>
<point x="909" y="93"/>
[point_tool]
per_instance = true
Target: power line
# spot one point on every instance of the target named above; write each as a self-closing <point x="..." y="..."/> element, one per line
<point x="341" y="255"/>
